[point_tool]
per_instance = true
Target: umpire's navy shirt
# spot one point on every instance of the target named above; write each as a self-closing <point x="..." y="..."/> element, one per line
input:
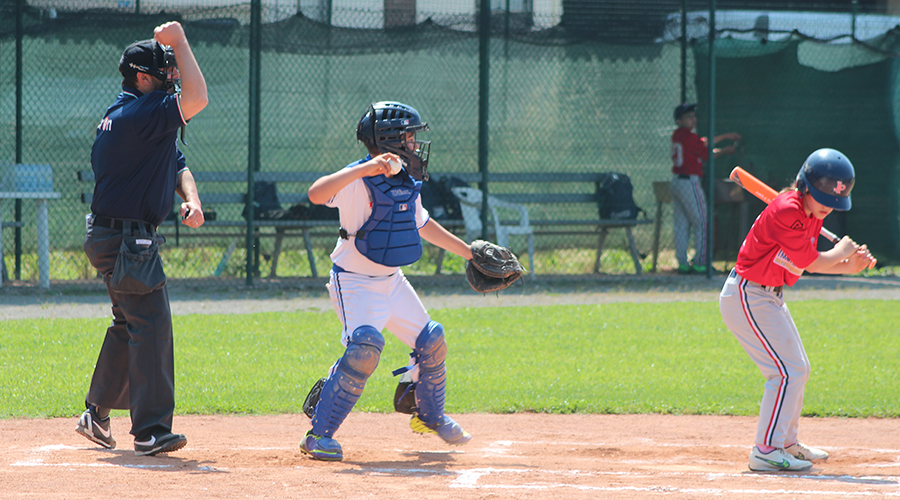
<point x="135" y="158"/>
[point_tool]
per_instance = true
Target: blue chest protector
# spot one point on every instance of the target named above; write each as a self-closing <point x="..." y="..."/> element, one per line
<point x="390" y="236"/>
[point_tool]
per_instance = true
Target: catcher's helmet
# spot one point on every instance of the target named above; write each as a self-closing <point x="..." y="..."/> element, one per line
<point x="386" y="127"/>
<point x="828" y="176"/>
<point x="148" y="56"/>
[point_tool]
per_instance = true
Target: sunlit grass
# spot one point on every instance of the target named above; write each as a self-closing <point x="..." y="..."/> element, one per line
<point x="612" y="358"/>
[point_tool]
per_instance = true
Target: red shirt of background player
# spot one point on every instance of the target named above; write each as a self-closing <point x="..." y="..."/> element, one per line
<point x="781" y="243"/>
<point x="693" y="150"/>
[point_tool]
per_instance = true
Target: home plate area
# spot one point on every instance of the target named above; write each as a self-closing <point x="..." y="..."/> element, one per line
<point x="523" y="456"/>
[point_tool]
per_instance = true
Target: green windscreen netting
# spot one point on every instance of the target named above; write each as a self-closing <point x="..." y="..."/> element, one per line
<point x="561" y="99"/>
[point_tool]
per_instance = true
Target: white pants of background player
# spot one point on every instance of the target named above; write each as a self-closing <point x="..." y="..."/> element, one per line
<point x="760" y="320"/>
<point x="689" y="216"/>
<point x="380" y="302"/>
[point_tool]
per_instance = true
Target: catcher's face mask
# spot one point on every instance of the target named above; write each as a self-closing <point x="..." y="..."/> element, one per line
<point x="415" y="155"/>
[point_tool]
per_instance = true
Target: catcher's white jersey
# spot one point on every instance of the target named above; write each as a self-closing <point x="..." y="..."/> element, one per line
<point x="355" y="206"/>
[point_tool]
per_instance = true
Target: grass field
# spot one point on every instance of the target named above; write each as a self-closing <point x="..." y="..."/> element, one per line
<point x="610" y="358"/>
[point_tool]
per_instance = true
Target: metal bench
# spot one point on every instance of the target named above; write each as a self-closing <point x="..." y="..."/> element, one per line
<point x="558" y="189"/>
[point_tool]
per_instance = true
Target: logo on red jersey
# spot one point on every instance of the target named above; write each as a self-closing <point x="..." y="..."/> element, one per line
<point x="798" y="225"/>
<point x="839" y="187"/>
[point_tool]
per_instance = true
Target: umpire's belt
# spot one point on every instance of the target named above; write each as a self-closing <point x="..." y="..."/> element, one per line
<point x="775" y="289"/>
<point x="99" y="220"/>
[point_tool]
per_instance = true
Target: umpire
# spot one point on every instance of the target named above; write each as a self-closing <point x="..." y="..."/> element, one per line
<point x="138" y="168"/>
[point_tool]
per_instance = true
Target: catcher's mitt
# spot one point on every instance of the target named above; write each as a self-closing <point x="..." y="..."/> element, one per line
<point x="492" y="267"/>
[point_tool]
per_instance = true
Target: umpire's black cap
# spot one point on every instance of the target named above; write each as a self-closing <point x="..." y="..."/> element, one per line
<point x="683" y="108"/>
<point x="145" y="56"/>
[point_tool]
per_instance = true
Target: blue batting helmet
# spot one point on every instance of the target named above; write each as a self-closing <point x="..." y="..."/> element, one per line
<point x="828" y="176"/>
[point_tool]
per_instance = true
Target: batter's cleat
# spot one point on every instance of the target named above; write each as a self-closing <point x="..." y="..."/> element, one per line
<point x="96" y="429"/>
<point x="447" y="429"/>
<point x="321" y="448"/>
<point x="162" y="443"/>
<point x="804" y="452"/>
<point x="775" y="461"/>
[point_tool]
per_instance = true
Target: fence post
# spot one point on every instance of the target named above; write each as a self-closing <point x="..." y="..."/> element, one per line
<point x="253" y="128"/>
<point x="484" y="64"/>
<point x="710" y="143"/>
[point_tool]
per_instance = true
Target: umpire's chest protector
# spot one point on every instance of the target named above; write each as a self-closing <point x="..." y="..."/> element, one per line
<point x="390" y="236"/>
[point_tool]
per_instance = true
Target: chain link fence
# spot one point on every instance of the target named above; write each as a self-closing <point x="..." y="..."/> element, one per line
<point x="574" y="88"/>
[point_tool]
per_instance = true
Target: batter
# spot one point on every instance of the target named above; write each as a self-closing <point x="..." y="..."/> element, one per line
<point x="779" y="247"/>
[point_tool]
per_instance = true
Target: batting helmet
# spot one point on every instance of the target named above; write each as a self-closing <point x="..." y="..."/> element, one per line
<point x="387" y="125"/>
<point x="828" y="176"/>
<point x="148" y="56"/>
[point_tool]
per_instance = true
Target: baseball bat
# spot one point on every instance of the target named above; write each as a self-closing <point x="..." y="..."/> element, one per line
<point x="765" y="193"/>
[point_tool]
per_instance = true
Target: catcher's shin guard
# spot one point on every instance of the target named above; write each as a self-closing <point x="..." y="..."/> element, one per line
<point x="431" y="351"/>
<point x="345" y="385"/>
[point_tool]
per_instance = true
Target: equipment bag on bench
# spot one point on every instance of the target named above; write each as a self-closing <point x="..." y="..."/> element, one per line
<point x="615" y="198"/>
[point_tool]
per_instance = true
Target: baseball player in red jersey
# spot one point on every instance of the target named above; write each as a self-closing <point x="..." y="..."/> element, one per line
<point x="689" y="153"/>
<point x="779" y="247"/>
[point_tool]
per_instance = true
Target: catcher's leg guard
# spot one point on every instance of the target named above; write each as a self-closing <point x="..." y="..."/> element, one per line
<point x="345" y="385"/>
<point x="431" y="351"/>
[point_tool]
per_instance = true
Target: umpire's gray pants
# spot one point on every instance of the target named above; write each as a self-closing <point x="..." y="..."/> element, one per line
<point x="135" y="369"/>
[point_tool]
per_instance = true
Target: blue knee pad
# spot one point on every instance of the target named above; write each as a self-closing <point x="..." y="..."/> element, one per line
<point x="345" y="385"/>
<point x="431" y="351"/>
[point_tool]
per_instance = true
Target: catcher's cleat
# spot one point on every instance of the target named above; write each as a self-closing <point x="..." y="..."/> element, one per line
<point x="775" y="461"/>
<point x="161" y="443"/>
<point x="447" y="429"/>
<point x="804" y="452"/>
<point x="96" y="429"/>
<point x="321" y="448"/>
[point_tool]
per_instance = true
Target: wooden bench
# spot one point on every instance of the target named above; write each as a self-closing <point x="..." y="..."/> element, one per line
<point x="209" y="182"/>
<point x="565" y="189"/>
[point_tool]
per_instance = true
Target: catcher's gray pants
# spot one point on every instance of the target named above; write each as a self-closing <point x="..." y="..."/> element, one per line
<point x="689" y="216"/>
<point x="135" y="369"/>
<point x="760" y="320"/>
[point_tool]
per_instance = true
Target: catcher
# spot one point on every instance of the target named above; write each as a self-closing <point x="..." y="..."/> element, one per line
<point x="382" y="227"/>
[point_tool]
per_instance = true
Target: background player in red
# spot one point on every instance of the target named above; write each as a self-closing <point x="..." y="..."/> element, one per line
<point x="689" y="153"/>
<point x="779" y="247"/>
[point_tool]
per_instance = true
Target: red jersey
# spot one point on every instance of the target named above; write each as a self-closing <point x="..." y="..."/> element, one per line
<point x="689" y="151"/>
<point x="781" y="243"/>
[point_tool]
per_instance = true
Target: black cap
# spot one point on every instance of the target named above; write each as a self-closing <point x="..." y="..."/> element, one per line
<point x="145" y="56"/>
<point x="684" y="108"/>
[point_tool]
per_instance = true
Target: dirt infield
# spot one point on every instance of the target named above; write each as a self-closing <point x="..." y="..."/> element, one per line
<point x="522" y="456"/>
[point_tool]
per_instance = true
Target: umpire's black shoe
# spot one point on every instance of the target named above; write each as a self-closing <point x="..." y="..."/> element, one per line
<point x="161" y="443"/>
<point x="96" y="429"/>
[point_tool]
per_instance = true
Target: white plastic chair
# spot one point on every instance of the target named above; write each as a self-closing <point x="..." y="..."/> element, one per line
<point x="470" y="200"/>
